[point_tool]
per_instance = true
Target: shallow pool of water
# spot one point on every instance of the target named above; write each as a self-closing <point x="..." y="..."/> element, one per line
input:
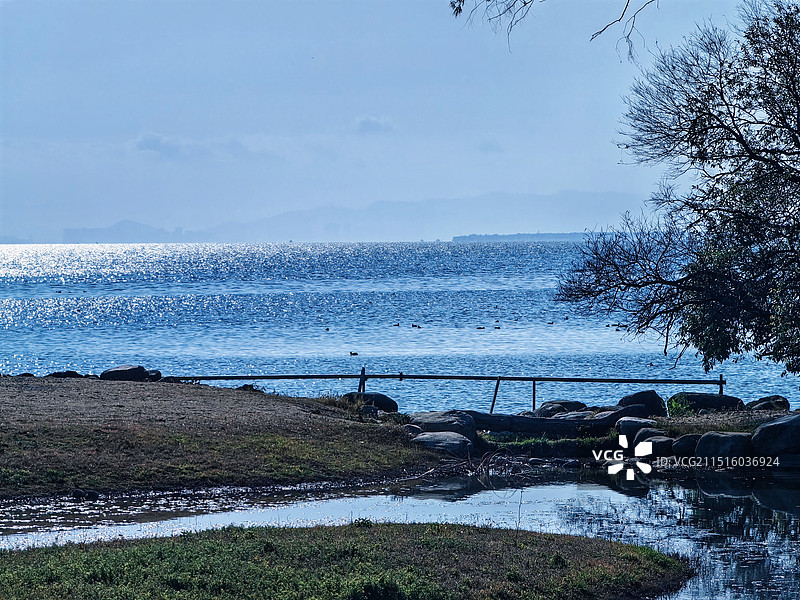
<point x="743" y="546"/>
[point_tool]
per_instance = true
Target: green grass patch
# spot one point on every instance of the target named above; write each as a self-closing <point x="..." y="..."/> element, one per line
<point x="57" y="460"/>
<point x="678" y="406"/>
<point x="362" y="561"/>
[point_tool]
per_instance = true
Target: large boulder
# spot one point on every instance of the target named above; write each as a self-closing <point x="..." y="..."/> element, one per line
<point x="686" y="445"/>
<point x="380" y="401"/>
<point x="567" y="405"/>
<point x="628" y="426"/>
<point x="450" y="420"/>
<point x="445" y="441"/>
<point x="694" y="402"/>
<point x="603" y="414"/>
<point x="633" y="410"/>
<point x="645" y="434"/>
<point x="653" y="402"/>
<point x="723" y="445"/>
<point x="130" y="373"/>
<point x="65" y="375"/>
<point x="662" y="445"/>
<point x="775" y="402"/>
<point x="548" y="409"/>
<point x="781" y="436"/>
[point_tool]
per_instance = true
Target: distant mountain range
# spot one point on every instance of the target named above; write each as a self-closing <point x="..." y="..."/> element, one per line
<point x="129" y="232"/>
<point x="491" y="214"/>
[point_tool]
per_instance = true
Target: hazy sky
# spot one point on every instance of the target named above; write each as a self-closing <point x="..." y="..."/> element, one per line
<point x="185" y="113"/>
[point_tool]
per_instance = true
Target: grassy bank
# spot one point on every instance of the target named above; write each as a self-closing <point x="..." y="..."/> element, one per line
<point x="361" y="561"/>
<point x="544" y="447"/>
<point x="58" y="435"/>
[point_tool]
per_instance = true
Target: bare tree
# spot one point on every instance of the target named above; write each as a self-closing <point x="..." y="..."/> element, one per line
<point x="509" y="13"/>
<point x="719" y="267"/>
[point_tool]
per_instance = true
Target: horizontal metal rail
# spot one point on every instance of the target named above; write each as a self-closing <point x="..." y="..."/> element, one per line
<point x="402" y="376"/>
<point x="364" y="376"/>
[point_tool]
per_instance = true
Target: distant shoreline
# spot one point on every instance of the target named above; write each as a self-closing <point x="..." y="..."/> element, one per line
<point x="459" y="239"/>
<point x="519" y="237"/>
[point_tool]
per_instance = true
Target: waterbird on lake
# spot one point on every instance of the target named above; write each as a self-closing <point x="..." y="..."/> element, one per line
<point x="354" y="354"/>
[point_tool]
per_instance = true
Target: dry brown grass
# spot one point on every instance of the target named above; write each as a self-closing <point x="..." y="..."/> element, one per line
<point x="60" y="434"/>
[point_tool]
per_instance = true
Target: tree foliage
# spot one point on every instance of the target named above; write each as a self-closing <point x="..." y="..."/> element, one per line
<point x="718" y="267"/>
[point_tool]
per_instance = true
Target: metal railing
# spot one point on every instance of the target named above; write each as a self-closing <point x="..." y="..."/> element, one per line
<point x="364" y="376"/>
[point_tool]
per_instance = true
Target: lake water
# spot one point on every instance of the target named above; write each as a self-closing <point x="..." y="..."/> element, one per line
<point x="743" y="541"/>
<point x="482" y="309"/>
<point x="209" y="309"/>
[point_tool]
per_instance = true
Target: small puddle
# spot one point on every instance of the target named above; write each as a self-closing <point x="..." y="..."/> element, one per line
<point x="743" y="546"/>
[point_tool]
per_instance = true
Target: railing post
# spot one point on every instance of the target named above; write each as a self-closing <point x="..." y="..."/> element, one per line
<point x="721" y="384"/>
<point x="533" y="398"/>
<point x="494" y="399"/>
<point x="362" y="381"/>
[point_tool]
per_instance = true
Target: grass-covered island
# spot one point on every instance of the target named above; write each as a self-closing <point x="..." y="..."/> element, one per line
<point x="361" y="561"/>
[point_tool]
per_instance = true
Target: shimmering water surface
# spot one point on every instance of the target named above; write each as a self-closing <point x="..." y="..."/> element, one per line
<point x="208" y="309"/>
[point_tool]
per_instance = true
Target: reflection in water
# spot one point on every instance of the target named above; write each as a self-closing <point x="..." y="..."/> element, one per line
<point x="743" y="533"/>
<point x="741" y="548"/>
